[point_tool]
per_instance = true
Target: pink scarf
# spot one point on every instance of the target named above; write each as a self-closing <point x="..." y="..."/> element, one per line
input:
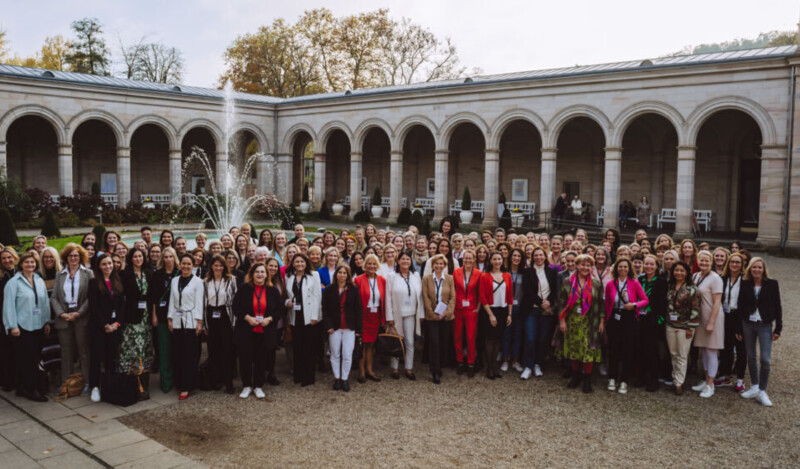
<point x="574" y="294"/>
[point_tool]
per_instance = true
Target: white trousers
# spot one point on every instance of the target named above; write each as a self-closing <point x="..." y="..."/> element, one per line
<point x="342" y="342"/>
<point x="409" y="328"/>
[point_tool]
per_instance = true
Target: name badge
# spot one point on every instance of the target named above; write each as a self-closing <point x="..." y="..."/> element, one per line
<point x="642" y="312"/>
<point x="580" y="310"/>
<point x="37" y="312"/>
<point x="465" y="304"/>
<point x="163" y="304"/>
<point x="298" y="307"/>
<point x="179" y="313"/>
<point x="755" y="317"/>
<point x="373" y="309"/>
<point x="516" y="302"/>
<point x="726" y="308"/>
<point x="407" y="302"/>
<point x="142" y="305"/>
<point x="259" y="319"/>
<point x="216" y="314"/>
<point x="673" y="317"/>
<point x="617" y="316"/>
<point x="72" y="306"/>
<point x="114" y="314"/>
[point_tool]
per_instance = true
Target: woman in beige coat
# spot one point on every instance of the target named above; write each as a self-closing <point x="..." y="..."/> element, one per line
<point x="439" y="296"/>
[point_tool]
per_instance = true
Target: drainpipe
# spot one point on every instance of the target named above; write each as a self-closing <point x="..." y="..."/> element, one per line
<point x="275" y="151"/>
<point x="790" y="144"/>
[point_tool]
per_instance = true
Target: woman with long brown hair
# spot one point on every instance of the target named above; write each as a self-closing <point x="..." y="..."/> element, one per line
<point x="341" y="317"/>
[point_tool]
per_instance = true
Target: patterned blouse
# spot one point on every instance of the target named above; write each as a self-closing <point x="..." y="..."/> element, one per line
<point x="683" y="307"/>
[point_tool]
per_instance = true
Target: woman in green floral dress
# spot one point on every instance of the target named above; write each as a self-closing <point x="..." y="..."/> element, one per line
<point x="137" y="341"/>
<point x="582" y="321"/>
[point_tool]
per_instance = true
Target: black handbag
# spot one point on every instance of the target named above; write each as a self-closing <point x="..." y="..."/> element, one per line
<point x="358" y="349"/>
<point x="120" y="389"/>
<point x="390" y="344"/>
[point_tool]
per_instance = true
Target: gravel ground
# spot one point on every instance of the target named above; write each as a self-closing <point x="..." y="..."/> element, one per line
<point x="482" y="423"/>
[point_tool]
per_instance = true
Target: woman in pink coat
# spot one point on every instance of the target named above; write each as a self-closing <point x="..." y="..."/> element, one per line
<point x="624" y="298"/>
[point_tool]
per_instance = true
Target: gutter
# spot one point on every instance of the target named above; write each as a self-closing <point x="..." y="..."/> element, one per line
<point x="790" y="144"/>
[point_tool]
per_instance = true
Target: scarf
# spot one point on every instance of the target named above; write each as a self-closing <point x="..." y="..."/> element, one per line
<point x="574" y="294"/>
<point x="420" y="257"/>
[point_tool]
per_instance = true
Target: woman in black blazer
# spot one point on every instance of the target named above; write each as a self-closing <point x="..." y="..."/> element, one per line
<point x="341" y="300"/>
<point x="106" y="317"/>
<point x="538" y="310"/>
<point x="759" y="307"/>
<point x="137" y="337"/>
<point x="257" y="307"/>
<point x="651" y="323"/>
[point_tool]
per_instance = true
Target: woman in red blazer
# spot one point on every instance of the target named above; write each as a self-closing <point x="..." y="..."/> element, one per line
<point x="467" y="280"/>
<point x="373" y="294"/>
<point x="497" y="298"/>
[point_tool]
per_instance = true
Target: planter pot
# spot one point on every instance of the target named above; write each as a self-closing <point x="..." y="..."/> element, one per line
<point x="304" y="207"/>
<point x="466" y="216"/>
<point x="338" y="209"/>
<point x="377" y="211"/>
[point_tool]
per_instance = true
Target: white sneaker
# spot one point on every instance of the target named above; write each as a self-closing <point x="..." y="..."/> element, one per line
<point x="246" y="392"/>
<point x="504" y="366"/>
<point x="603" y="369"/>
<point x="517" y="366"/>
<point x="95" y="394"/>
<point x="707" y="392"/>
<point x="751" y="393"/>
<point x="668" y="383"/>
<point x="623" y="388"/>
<point x="764" y="399"/>
<point x="259" y="393"/>
<point x="537" y="371"/>
<point x="612" y="385"/>
<point x="499" y="356"/>
<point x="699" y="387"/>
<point x="526" y="373"/>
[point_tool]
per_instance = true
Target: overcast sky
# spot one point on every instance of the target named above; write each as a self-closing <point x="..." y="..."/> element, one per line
<point x="495" y="35"/>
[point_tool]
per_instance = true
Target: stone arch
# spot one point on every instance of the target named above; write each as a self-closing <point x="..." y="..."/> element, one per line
<point x="739" y="103"/>
<point x="104" y="116"/>
<point x="291" y="135"/>
<point x="462" y="117"/>
<point x="212" y="128"/>
<point x="363" y="129"/>
<point x="59" y="127"/>
<point x="162" y="123"/>
<point x="326" y="130"/>
<point x="402" y="129"/>
<point x="565" y="115"/>
<point x="501" y="123"/>
<point x="630" y="113"/>
<point x="263" y="142"/>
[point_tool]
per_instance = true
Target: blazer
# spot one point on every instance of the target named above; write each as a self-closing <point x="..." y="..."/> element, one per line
<point x="362" y="282"/>
<point x="530" y="289"/>
<point x="768" y="304"/>
<point x="312" y="297"/>
<point x="487" y="288"/>
<point x="397" y="293"/>
<point x="132" y="295"/>
<point x="332" y="312"/>
<point x="105" y="309"/>
<point x="324" y="276"/>
<point x="19" y="301"/>
<point x="635" y="295"/>
<point x="190" y="302"/>
<point x="656" y="309"/>
<point x="243" y="306"/>
<point x="448" y="296"/>
<point x="471" y="293"/>
<point x="58" y="301"/>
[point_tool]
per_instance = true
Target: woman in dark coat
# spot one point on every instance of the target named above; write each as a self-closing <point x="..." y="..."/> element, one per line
<point x="341" y="318"/>
<point x="106" y="318"/>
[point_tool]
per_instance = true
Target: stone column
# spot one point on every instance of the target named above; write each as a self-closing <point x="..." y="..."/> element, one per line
<point x="684" y="193"/>
<point x="123" y="176"/>
<point x="656" y="184"/>
<point x="175" y="177"/>
<point x="222" y="171"/>
<point x="773" y="197"/>
<point x="266" y="174"/>
<point x="65" y="170"/>
<point x="440" y="195"/>
<point x="547" y="183"/>
<point x="355" y="182"/>
<point x="611" y="186"/>
<point x="319" y="180"/>
<point x="284" y="178"/>
<point x="395" y="185"/>
<point x="3" y="160"/>
<point x="491" y="187"/>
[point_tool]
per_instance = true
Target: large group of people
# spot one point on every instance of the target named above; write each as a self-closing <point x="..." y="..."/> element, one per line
<point x="640" y="314"/>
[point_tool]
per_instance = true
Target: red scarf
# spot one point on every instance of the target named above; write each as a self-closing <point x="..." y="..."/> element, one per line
<point x="575" y="293"/>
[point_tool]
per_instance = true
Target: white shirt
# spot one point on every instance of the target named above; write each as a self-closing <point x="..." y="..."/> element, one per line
<point x="499" y="294"/>
<point x="576" y="205"/>
<point x="71" y="286"/>
<point x="399" y="303"/>
<point x="731" y="299"/>
<point x="385" y="271"/>
<point x="544" y="287"/>
<point x="374" y="293"/>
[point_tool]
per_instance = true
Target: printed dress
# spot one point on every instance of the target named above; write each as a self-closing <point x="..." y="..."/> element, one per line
<point x="582" y="339"/>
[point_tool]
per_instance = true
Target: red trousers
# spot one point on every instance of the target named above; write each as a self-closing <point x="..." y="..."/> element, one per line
<point x="469" y="319"/>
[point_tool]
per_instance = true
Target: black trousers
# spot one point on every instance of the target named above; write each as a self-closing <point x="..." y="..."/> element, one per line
<point x="646" y="355"/>
<point x="220" y="349"/>
<point x="304" y="346"/>
<point x="438" y="334"/>
<point x="727" y="363"/>
<point x="253" y="361"/>
<point x="621" y="344"/>
<point x="184" y="358"/>
<point x="8" y="365"/>
<point x="104" y="350"/>
<point x="27" y="353"/>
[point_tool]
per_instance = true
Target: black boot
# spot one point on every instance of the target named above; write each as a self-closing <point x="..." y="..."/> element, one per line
<point x="576" y="379"/>
<point x="144" y="378"/>
<point x="470" y="371"/>
<point x="337" y="385"/>
<point x="587" y="383"/>
<point x="460" y="368"/>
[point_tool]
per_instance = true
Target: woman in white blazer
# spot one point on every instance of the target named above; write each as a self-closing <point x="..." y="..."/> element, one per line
<point x="185" y="321"/>
<point x="404" y="306"/>
<point x="304" y="291"/>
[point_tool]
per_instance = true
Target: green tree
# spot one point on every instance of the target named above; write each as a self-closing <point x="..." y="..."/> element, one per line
<point x="50" y="226"/>
<point x="3" y="44"/>
<point x="8" y="234"/>
<point x="89" y="51"/>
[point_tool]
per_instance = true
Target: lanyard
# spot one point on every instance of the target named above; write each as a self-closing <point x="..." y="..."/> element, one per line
<point x="438" y="285"/>
<point x="466" y="281"/>
<point x="168" y="284"/>
<point x="72" y="284"/>
<point x="140" y="282"/>
<point x="297" y="288"/>
<point x="258" y="300"/>
<point x="36" y="294"/>
<point x="702" y="279"/>
<point x="372" y="285"/>
<point x="619" y="292"/>
<point x="216" y="291"/>
<point x="407" y="279"/>
<point x="730" y="288"/>
<point x="180" y="290"/>
<point x="581" y="287"/>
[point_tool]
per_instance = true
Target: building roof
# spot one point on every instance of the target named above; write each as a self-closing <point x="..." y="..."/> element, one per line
<point x="578" y="70"/>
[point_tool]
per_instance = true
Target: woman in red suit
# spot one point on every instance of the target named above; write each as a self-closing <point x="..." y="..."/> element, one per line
<point x="497" y="298"/>
<point x="373" y="293"/>
<point x="467" y="280"/>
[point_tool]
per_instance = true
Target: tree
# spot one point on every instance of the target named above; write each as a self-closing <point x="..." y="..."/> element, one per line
<point x="89" y="51"/>
<point x="55" y="52"/>
<point x="161" y="63"/>
<point x="50" y="226"/>
<point x="131" y="57"/>
<point x="768" y="39"/>
<point x="8" y="234"/>
<point x="3" y="44"/>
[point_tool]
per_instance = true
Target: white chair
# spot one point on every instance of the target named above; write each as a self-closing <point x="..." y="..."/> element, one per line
<point x="667" y="215"/>
<point x="601" y="215"/>
<point x="703" y="218"/>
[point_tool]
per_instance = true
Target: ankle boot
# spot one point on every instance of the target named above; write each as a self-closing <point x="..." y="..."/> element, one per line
<point x="144" y="378"/>
<point x="576" y="379"/>
<point x="470" y="371"/>
<point x="587" y="383"/>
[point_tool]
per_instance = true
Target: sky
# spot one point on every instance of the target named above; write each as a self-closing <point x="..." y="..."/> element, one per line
<point x="496" y="36"/>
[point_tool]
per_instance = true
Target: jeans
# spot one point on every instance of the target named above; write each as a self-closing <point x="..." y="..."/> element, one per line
<point x="732" y="346"/>
<point x="763" y="333"/>
<point x="538" y="331"/>
<point x="512" y="337"/>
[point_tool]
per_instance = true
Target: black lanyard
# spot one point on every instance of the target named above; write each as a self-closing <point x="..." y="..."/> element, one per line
<point x="168" y="284"/>
<point x="216" y="291"/>
<point x="619" y="292"/>
<point x="372" y="286"/>
<point x="297" y="288"/>
<point x="407" y="279"/>
<point x="72" y="284"/>
<point x="180" y="290"/>
<point x="258" y="299"/>
<point x="35" y="293"/>
<point x="702" y="279"/>
<point x="438" y="285"/>
<point x="730" y="288"/>
<point x="466" y="281"/>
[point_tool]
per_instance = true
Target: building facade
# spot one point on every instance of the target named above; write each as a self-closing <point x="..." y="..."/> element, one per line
<point x="705" y="132"/>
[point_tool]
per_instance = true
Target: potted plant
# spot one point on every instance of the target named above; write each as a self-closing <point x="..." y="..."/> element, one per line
<point x="377" y="210"/>
<point x="338" y="207"/>
<point x="304" y="205"/>
<point x="466" y="205"/>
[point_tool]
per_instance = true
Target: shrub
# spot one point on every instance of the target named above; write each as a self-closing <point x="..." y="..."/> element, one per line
<point x="50" y="226"/>
<point x="99" y="231"/>
<point x="40" y="201"/>
<point x="505" y="220"/>
<point x="362" y="216"/>
<point x="404" y="217"/>
<point x="70" y="220"/>
<point x="14" y="198"/>
<point x="82" y="204"/>
<point x="417" y="219"/>
<point x="8" y="234"/>
<point x="324" y="211"/>
<point x="426" y="226"/>
<point x="376" y="197"/>
<point x="466" y="200"/>
<point x="289" y="217"/>
<point x="95" y="188"/>
<point x="305" y="192"/>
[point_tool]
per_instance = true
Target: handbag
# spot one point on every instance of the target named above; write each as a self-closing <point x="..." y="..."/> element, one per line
<point x="390" y="344"/>
<point x="120" y="389"/>
<point x="71" y="387"/>
<point x="358" y="349"/>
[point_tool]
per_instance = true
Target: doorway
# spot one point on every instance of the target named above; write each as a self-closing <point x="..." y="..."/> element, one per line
<point x="750" y="192"/>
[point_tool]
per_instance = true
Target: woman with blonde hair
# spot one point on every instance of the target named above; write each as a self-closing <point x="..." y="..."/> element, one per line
<point x="49" y="266"/>
<point x="710" y="336"/>
<point x="438" y="293"/>
<point x="373" y="300"/>
<point x="731" y="286"/>
<point x="404" y="304"/>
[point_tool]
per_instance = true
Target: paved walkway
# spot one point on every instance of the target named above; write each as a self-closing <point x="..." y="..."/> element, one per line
<point x="80" y="433"/>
